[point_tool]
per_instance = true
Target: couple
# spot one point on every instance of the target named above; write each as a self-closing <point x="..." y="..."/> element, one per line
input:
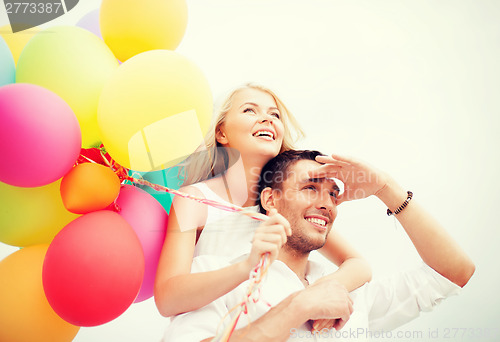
<point x="300" y="197"/>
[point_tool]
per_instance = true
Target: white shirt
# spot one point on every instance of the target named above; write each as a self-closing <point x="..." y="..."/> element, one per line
<point x="225" y="233"/>
<point x="380" y="305"/>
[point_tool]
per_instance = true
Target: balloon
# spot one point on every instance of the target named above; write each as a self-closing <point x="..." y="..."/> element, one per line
<point x="30" y="216"/>
<point x="154" y="111"/>
<point x="90" y="22"/>
<point x="93" y="269"/>
<point x="40" y="138"/>
<point x="149" y="221"/>
<point x="25" y="314"/>
<point x="73" y="63"/>
<point x="17" y="41"/>
<point x="89" y="187"/>
<point x="7" y="66"/>
<point x="168" y="178"/>
<point x="130" y="27"/>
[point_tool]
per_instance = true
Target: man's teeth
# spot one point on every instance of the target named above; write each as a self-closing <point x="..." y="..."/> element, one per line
<point x="316" y="220"/>
<point x="263" y="133"/>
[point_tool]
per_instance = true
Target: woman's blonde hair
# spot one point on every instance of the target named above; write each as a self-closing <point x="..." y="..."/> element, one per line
<point x="212" y="159"/>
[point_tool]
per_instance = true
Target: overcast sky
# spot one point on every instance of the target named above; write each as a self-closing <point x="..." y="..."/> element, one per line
<point x="410" y="86"/>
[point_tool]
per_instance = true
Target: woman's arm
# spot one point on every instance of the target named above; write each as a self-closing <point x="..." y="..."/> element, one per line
<point x="176" y="289"/>
<point x="354" y="270"/>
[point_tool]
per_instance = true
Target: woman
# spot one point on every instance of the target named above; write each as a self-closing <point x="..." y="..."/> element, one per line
<point x="255" y="123"/>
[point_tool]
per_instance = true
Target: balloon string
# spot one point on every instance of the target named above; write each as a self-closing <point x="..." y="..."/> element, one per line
<point x="227" y="207"/>
<point x="252" y="296"/>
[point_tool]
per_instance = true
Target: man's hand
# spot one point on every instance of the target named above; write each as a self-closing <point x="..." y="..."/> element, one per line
<point x="360" y="179"/>
<point x="269" y="237"/>
<point x="327" y="300"/>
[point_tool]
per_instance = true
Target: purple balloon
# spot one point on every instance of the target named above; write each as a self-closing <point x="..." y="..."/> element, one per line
<point x="90" y="22"/>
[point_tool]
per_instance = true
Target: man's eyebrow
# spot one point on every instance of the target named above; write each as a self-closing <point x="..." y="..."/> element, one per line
<point x="320" y="180"/>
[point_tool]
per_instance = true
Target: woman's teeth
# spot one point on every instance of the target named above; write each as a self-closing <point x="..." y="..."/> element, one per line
<point x="264" y="134"/>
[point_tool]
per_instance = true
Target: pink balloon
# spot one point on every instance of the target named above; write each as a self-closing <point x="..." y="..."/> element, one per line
<point x="90" y="22"/>
<point x="93" y="269"/>
<point x="149" y="220"/>
<point x="40" y="137"/>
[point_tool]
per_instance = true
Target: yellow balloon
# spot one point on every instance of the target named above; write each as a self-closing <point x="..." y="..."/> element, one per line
<point x="130" y="27"/>
<point x="25" y="313"/>
<point x="30" y="216"/>
<point x="17" y="41"/>
<point x="74" y="64"/>
<point x="154" y="111"/>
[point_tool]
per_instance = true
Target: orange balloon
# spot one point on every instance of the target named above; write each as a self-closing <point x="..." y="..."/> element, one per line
<point x="89" y="187"/>
<point x="25" y="313"/>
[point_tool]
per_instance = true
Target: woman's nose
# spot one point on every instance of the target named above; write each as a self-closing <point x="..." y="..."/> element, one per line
<point x="266" y="118"/>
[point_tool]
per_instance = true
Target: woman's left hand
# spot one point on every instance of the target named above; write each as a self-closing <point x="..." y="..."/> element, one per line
<point x="360" y="179"/>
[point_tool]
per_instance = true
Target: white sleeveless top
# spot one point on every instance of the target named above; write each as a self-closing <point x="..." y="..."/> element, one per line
<point x="225" y="234"/>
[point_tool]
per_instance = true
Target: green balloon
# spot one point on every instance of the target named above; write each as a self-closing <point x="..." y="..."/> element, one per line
<point x="30" y="216"/>
<point x="7" y="66"/>
<point x="170" y="178"/>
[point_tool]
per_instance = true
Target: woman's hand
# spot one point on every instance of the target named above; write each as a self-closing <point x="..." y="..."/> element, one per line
<point x="269" y="237"/>
<point x="320" y="324"/>
<point x="360" y="179"/>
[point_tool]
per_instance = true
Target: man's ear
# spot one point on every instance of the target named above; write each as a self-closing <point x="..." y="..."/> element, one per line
<point x="221" y="137"/>
<point x="268" y="199"/>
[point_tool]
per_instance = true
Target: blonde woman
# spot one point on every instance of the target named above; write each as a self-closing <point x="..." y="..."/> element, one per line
<point x="252" y="126"/>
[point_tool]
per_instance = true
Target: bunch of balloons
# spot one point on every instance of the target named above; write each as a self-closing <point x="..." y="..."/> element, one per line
<point x="90" y="244"/>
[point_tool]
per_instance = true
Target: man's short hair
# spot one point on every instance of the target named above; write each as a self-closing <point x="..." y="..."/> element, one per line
<point x="275" y="172"/>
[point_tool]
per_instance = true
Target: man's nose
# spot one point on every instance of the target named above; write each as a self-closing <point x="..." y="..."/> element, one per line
<point x="325" y="201"/>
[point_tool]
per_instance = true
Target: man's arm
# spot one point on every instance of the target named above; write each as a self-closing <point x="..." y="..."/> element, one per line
<point x="435" y="246"/>
<point x="322" y="300"/>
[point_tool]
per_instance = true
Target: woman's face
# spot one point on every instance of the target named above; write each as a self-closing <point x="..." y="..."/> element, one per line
<point x="253" y="125"/>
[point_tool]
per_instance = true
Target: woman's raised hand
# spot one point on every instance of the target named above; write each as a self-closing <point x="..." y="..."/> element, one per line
<point x="360" y="179"/>
<point x="269" y="237"/>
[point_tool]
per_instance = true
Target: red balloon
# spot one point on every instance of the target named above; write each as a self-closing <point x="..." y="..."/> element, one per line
<point x="93" y="269"/>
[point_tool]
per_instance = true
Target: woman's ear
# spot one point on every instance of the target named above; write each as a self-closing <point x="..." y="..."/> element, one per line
<point x="221" y="137"/>
<point x="267" y="199"/>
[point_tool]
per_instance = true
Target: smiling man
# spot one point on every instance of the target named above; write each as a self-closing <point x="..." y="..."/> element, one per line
<point x="299" y="186"/>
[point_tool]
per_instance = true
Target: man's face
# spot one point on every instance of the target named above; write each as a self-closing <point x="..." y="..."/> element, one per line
<point x="309" y="204"/>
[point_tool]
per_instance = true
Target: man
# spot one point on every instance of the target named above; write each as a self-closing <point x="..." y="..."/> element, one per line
<point x="299" y="186"/>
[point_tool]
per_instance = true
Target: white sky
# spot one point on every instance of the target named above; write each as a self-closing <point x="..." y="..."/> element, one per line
<point x="410" y="86"/>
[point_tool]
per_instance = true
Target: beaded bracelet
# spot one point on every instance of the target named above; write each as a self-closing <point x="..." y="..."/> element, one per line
<point x="402" y="206"/>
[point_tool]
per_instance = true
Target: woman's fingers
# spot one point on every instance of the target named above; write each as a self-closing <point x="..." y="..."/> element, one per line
<point x="263" y="247"/>
<point x="321" y="324"/>
<point x="275" y="218"/>
<point x="275" y="234"/>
